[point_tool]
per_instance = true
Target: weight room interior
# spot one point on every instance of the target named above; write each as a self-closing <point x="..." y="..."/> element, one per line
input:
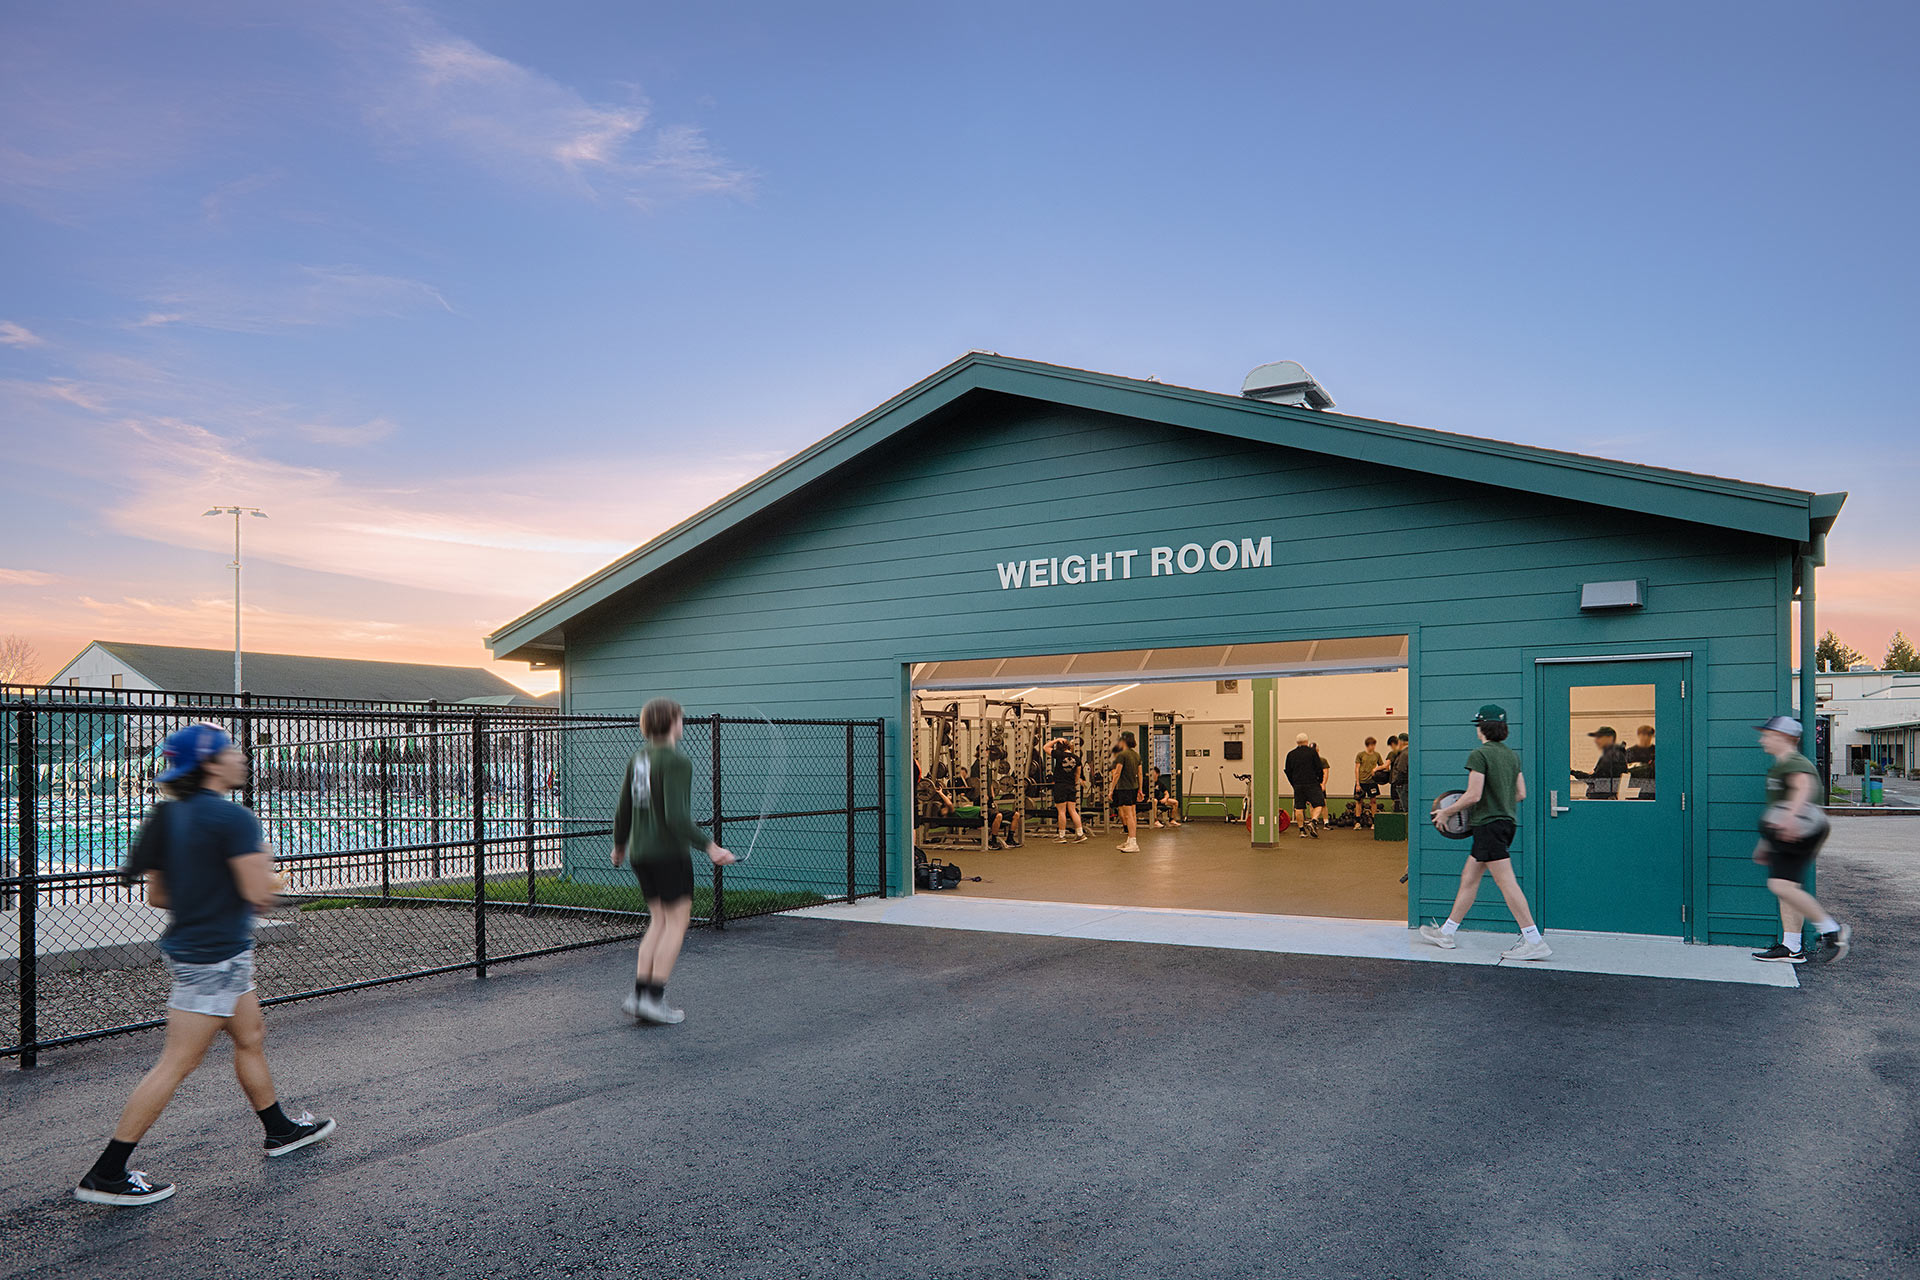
<point x="1190" y="705"/>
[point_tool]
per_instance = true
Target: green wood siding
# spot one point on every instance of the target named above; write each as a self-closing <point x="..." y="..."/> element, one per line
<point x="812" y="610"/>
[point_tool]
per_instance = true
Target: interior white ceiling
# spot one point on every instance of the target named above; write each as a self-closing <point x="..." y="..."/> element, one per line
<point x="1212" y="662"/>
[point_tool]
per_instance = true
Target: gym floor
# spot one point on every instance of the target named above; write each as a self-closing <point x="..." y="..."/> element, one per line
<point x="1206" y="864"/>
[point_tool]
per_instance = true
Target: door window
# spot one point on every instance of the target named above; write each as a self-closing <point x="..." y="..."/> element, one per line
<point x="1612" y="733"/>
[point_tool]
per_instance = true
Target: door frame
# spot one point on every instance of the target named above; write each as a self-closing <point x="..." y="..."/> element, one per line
<point x="1693" y="724"/>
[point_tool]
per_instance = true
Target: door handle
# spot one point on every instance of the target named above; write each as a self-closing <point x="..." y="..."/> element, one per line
<point x="1554" y="807"/>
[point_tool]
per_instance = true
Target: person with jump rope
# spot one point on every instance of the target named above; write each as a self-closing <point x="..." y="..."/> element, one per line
<point x="654" y="816"/>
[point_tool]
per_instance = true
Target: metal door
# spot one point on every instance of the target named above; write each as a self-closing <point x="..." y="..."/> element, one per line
<point x="1613" y="778"/>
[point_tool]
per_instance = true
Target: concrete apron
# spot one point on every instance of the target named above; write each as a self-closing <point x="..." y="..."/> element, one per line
<point x="1574" y="951"/>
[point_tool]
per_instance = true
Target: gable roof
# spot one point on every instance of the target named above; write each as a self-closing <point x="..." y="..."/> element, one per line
<point x="1792" y="515"/>
<point x="288" y="675"/>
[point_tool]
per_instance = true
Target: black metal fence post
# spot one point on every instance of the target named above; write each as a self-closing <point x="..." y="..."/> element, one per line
<point x="246" y="747"/>
<point x="29" y="891"/>
<point x="853" y="889"/>
<point x="434" y="729"/>
<point x="479" y="846"/>
<point x="383" y="745"/>
<point x="880" y="802"/>
<point x="719" y="879"/>
<point x="526" y="801"/>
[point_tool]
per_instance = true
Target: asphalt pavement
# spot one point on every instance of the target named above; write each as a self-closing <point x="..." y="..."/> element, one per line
<point x="852" y="1101"/>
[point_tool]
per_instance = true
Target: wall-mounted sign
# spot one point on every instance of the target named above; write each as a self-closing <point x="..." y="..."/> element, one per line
<point x="1079" y="568"/>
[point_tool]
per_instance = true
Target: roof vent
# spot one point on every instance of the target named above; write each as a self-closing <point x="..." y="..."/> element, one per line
<point x="1285" y="382"/>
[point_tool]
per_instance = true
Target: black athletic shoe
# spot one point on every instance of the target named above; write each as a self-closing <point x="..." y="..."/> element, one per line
<point x="1779" y="954"/>
<point x="1313" y="829"/>
<point x="995" y="844"/>
<point x="131" y="1188"/>
<point x="306" y="1131"/>
<point x="1835" y="945"/>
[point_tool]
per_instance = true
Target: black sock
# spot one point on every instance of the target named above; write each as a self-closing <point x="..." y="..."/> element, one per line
<point x="657" y="990"/>
<point x="641" y="987"/>
<point x="275" y="1120"/>
<point x="112" y="1164"/>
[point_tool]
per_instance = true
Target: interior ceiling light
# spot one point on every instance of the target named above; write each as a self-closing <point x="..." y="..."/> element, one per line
<point x="1111" y="693"/>
<point x="1015" y="697"/>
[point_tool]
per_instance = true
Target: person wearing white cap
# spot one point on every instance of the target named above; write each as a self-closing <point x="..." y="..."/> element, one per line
<point x="1792" y="829"/>
<point x="205" y="860"/>
<point x="1307" y="774"/>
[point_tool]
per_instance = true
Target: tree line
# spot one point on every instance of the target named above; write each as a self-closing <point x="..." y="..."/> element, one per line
<point x="1833" y="654"/>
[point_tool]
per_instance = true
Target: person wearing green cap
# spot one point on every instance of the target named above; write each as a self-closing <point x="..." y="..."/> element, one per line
<point x="1492" y="799"/>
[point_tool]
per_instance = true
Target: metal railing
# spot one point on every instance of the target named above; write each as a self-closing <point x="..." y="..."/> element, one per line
<point x="413" y="839"/>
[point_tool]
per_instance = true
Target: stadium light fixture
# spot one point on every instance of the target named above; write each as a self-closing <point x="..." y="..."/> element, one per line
<point x="236" y="513"/>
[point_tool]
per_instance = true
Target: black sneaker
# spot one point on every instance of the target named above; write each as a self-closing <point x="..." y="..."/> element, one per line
<point x="995" y="844"/>
<point x="306" y="1131"/>
<point x="1313" y="829"/>
<point x="129" y="1188"/>
<point x="1835" y="945"/>
<point x="1779" y="954"/>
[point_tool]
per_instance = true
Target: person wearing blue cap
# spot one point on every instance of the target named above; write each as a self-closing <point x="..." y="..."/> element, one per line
<point x="1791" y="832"/>
<point x="205" y="860"/>
<point x="1492" y="799"/>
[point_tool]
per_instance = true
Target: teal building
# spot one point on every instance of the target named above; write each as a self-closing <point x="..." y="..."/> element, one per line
<point x="1006" y="524"/>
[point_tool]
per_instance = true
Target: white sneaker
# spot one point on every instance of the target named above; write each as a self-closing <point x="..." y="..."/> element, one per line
<point x="1438" y="937"/>
<point x="631" y="1005"/>
<point x="658" y="1012"/>
<point x="1131" y="846"/>
<point x="1524" y="950"/>
<point x="1158" y="825"/>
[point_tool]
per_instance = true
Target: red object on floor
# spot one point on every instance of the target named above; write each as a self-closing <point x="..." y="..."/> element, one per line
<point x="1281" y="821"/>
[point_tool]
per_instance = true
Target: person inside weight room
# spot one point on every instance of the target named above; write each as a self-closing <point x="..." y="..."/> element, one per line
<point x="1307" y="774"/>
<point x="206" y="861"/>
<point x="1069" y="778"/>
<point x="1161" y="799"/>
<point x="1402" y="765"/>
<point x="1603" y="781"/>
<point x="1640" y="763"/>
<point x="1125" y="781"/>
<point x="653" y="815"/>
<point x="1366" y="789"/>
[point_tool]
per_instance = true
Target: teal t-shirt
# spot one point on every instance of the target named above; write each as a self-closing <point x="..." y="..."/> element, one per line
<point x="1499" y="796"/>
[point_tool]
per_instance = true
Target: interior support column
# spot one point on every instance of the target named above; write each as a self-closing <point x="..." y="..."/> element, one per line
<point x="1265" y="765"/>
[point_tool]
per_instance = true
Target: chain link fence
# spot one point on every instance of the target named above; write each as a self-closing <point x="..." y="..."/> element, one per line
<point x="413" y="839"/>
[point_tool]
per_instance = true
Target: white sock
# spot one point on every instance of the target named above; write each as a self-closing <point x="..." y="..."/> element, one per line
<point x="1450" y="928"/>
<point x="1791" y="941"/>
<point x="1829" y="925"/>
<point x="1531" y="933"/>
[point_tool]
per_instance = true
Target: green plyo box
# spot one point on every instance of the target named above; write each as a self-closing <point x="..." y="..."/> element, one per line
<point x="1390" y="826"/>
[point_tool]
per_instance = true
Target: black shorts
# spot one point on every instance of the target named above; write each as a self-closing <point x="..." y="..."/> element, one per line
<point x="1790" y="859"/>
<point x="1309" y="797"/>
<point x="1366" y="790"/>
<point x="1491" y="839"/>
<point x="665" y="879"/>
<point x="1065" y="795"/>
<point x="1126" y="797"/>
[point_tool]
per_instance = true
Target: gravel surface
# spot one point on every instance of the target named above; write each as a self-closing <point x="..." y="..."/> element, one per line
<point x="321" y="949"/>
<point x="859" y="1101"/>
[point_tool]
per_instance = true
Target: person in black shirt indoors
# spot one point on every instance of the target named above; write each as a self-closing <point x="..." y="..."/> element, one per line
<point x="1603" y="782"/>
<point x="203" y="858"/>
<point x="1640" y="763"/>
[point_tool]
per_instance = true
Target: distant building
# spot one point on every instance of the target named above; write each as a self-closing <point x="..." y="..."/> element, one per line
<point x="109" y="664"/>
<point x="1862" y="700"/>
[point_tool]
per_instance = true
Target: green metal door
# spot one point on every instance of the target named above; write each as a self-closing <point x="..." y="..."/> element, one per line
<point x="1614" y="768"/>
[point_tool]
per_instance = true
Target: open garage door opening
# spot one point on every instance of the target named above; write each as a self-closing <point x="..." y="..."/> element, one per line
<point x="1016" y="761"/>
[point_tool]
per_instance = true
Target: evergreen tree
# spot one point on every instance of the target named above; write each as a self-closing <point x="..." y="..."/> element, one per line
<point x="1832" y="655"/>
<point x="1901" y="655"/>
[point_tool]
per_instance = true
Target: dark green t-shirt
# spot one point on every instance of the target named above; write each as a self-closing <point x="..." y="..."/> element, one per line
<point x="652" y="817"/>
<point x="1499" y="797"/>
<point x="1785" y="768"/>
<point x="1367" y="762"/>
<point x="1129" y="770"/>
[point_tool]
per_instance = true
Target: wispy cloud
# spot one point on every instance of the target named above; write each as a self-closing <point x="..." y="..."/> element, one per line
<point x="372" y="431"/>
<point x="24" y="578"/>
<point x="427" y="85"/>
<point x="14" y="335"/>
<point x="306" y="296"/>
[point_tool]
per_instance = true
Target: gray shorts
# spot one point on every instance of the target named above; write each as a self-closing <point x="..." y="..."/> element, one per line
<point x="210" y="988"/>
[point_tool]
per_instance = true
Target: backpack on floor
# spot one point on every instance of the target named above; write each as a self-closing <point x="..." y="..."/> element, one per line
<point x="933" y="873"/>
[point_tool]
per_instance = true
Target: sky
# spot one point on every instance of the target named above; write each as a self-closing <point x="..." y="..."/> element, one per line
<point x="472" y="299"/>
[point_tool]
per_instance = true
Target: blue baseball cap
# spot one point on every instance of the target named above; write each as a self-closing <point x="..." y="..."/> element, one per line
<point x="187" y="749"/>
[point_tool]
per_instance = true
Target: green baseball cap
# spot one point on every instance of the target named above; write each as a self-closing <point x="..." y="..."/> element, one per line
<point x="1491" y="712"/>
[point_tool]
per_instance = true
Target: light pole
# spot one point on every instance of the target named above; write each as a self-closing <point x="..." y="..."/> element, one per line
<point x="236" y="513"/>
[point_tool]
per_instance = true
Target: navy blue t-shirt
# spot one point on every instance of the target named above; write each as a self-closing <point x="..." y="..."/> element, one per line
<point x="211" y="921"/>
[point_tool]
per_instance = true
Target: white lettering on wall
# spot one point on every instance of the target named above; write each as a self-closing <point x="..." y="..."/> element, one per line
<point x="1083" y="568"/>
